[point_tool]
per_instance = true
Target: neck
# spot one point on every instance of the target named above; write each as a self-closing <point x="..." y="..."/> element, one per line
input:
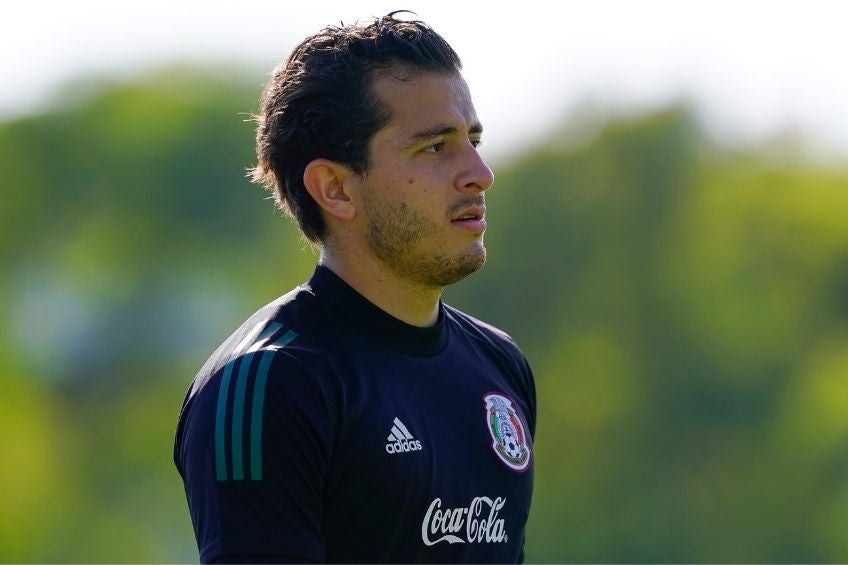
<point x="411" y="303"/>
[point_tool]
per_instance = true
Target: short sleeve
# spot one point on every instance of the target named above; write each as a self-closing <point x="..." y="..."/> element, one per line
<point x="255" y="455"/>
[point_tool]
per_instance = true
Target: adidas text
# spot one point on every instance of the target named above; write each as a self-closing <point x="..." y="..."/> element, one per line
<point x="403" y="446"/>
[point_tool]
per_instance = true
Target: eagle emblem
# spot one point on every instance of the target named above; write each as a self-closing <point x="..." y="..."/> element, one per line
<point x="509" y="440"/>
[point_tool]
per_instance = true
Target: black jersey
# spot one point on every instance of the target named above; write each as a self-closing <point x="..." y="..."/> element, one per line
<point x="325" y="429"/>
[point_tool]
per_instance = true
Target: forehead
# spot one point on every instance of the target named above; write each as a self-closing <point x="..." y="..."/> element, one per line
<point x="424" y="99"/>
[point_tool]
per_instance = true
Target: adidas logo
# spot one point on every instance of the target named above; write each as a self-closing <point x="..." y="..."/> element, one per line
<point x="400" y="440"/>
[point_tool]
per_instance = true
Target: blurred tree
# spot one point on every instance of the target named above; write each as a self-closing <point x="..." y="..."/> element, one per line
<point x="685" y="311"/>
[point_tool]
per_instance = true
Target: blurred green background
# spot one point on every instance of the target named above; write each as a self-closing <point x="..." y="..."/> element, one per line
<point x="684" y="306"/>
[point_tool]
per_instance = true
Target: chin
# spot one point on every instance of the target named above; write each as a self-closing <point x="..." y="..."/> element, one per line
<point x="454" y="270"/>
<point x="435" y="270"/>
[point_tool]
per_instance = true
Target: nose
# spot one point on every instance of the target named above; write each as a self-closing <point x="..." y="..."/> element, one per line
<point x="476" y="175"/>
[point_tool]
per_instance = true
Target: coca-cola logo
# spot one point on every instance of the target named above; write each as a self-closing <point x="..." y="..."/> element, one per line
<point x="476" y="523"/>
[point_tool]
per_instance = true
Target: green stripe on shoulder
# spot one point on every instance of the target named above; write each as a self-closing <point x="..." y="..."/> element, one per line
<point x="224" y="391"/>
<point x="259" y="403"/>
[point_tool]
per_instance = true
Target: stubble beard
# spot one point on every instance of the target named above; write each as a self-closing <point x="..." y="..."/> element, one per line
<point x="395" y="235"/>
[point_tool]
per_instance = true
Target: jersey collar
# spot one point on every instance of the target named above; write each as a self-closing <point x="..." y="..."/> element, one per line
<point x="365" y="315"/>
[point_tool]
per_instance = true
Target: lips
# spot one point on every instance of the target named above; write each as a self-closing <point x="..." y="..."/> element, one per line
<point x="471" y="219"/>
<point x="472" y="213"/>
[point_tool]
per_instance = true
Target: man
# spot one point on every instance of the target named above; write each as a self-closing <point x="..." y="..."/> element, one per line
<point x="358" y="418"/>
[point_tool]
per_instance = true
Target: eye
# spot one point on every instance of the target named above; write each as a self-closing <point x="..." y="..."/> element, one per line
<point x="435" y="147"/>
<point x="476" y="143"/>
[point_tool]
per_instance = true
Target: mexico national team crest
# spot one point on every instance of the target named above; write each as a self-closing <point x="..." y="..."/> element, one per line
<point x="509" y="439"/>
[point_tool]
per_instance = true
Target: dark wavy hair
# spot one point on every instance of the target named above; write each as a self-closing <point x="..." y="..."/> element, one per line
<point x="319" y="104"/>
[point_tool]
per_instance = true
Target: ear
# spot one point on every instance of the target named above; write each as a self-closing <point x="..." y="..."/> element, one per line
<point x="329" y="185"/>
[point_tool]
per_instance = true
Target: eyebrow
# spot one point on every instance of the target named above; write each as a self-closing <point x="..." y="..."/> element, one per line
<point x="476" y="128"/>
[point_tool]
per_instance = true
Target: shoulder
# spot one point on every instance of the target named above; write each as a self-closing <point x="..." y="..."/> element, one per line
<point x="496" y="342"/>
<point x="486" y="335"/>
<point x="293" y="330"/>
<point x="279" y="355"/>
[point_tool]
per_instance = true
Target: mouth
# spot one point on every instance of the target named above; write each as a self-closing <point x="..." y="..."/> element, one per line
<point x="472" y="219"/>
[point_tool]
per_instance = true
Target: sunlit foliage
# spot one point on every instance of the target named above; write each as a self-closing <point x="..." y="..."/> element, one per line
<point x="685" y="311"/>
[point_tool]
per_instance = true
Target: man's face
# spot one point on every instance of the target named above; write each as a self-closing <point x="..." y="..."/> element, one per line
<point x="422" y="197"/>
